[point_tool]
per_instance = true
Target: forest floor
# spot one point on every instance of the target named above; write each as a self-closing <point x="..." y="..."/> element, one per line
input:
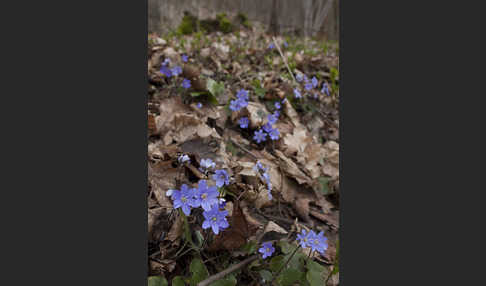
<point x="298" y="190"/>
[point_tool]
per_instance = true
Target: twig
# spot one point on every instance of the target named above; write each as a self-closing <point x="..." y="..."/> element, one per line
<point x="227" y="271"/>
<point x="244" y="149"/>
<point x="283" y="58"/>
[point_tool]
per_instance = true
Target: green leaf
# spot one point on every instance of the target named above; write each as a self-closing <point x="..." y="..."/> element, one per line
<point x="286" y="247"/>
<point x="178" y="281"/>
<point x="200" y="239"/>
<point x="289" y="276"/>
<point x="229" y="281"/>
<point x="297" y="262"/>
<point x="195" y="94"/>
<point x="157" y="281"/>
<point x="266" y="275"/>
<point x="316" y="273"/>
<point x="324" y="182"/>
<point x="276" y="263"/>
<point x="250" y="247"/>
<point x="214" y="88"/>
<point x="260" y="92"/>
<point x="198" y="270"/>
<point x="212" y="99"/>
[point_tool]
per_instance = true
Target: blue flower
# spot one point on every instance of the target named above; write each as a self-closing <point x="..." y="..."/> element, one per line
<point x="297" y="93"/>
<point x="221" y="178"/>
<point x="308" y="86"/>
<point x="272" y="119"/>
<point x="166" y="71"/>
<point x="166" y="62"/>
<point x="285" y="44"/>
<point x="258" y="166"/>
<point x="206" y="196"/>
<point x="186" y="83"/>
<point x="267" y="127"/>
<point x="304" y="238"/>
<point x="184" y="58"/>
<point x="274" y="134"/>
<point x="325" y="89"/>
<point x="318" y="242"/>
<point x="242" y="94"/>
<point x="277" y="105"/>
<point x="314" y="82"/>
<point x="177" y="70"/>
<point x="271" y="46"/>
<point x="276" y="113"/>
<point x="244" y="122"/>
<point x="267" y="249"/>
<point x="238" y="104"/>
<point x="299" y="77"/>
<point x="266" y="177"/>
<point x="183" y="158"/>
<point x="306" y="79"/>
<point x="199" y="105"/>
<point x="284" y="100"/>
<point x="207" y="163"/>
<point x="184" y="199"/>
<point x="215" y="219"/>
<point x="259" y="136"/>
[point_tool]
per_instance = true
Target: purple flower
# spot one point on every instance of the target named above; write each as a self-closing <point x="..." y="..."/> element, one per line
<point x="238" y="104"/>
<point x="186" y="83"/>
<point x="304" y="238"/>
<point x="215" y="219"/>
<point x="244" y="122"/>
<point x="267" y="249"/>
<point x="166" y="71"/>
<point x="325" y="89"/>
<point x="184" y="199"/>
<point x="267" y="127"/>
<point x="299" y="77"/>
<point x="258" y="166"/>
<point x="207" y="163"/>
<point x="318" y="242"/>
<point x="221" y="178"/>
<point x="177" y="70"/>
<point x="314" y="82"/>
<point x="306" y="79"/>
<point x="276" y="113"/>
<point x="272" y="119"/>
<point x="166" y="62"/>
<point x="308" y="86"/>
<point x="184" y="58"/>
<point x="206" y="196"/>
<point x="266" y="177"/>
<point x="259" y="136"/>
<point x="284" y="100"/>
<point x="199" y="105"/>
<point x="285" y="44"/>
<point x="297" y="93"/>
<point x="183" y="158"/>
<point x="277" y="105"/>
<point x="242" y="94"/>
<point x="274" y="134"/>
<point x="222" y="203"/>
<point x="271" y="46"/>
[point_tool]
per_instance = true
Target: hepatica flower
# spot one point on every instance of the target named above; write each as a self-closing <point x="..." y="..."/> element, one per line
<point x="267" y="249"/>
<point x="183" y="158"/>
<point x="184" y="199"/>
<point x="206" y="197"/>
<point x="277" y="105"/>
<point x="272" y="119"/>
<point x="242" y="94"/>
<point x="319" y="242"/>
<point x="221" y="178"/>
<point x="304" y="238"/>
<point x="308" y="86"/>
<point x="165" y="70"/>
<point x="297" y="93"/>
<point x="184" y="58"/>
<point x="271" y="46"/>
<point x="215" y="219"/>
<point x="274" y="134"/>
<point x="244" y="122"/>
<point x="299" y="77"/>
<point x="260" y="136"/>
<point x="207" y="163"/>
<point x="177" y="70"/>
<point x="314" y="82"/>
<point x="325" y="89"/>
<point x="199" y="105"/>
<point x="285" y="44"/>
<point x="186" y="83"/>
<point x="276" y="113"/>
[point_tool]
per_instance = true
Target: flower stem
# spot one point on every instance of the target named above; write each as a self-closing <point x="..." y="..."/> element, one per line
<point x="283" y="266"/>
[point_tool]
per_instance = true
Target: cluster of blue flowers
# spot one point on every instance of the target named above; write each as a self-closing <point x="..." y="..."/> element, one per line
<point x="266" y="177"/>
<point x="175" y="71"/>
<point x="269" y="128"/>
<point x="317" y="242"/>
<point x="204" y="196"/>
<point x="241" y="100"/>
<point x="310" y="85"/>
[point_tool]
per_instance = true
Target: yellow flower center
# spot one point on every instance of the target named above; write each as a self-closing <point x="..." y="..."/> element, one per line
<point x="183" y="199"/>
<point x="268" y="249"/>
<point x="214" y="219"/>
<point x="204" y="196"/>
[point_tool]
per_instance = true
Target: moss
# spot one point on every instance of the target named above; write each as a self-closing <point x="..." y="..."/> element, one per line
<point x="224" y="23"/>
<point x="188" y="24"/>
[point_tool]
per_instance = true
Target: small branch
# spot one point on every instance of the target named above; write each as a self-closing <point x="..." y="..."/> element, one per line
<point x="227" y="271"/>
<point x="283" y="58"/>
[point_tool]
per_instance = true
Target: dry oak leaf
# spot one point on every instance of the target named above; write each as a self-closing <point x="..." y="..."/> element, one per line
<point x="291" y="169"/>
